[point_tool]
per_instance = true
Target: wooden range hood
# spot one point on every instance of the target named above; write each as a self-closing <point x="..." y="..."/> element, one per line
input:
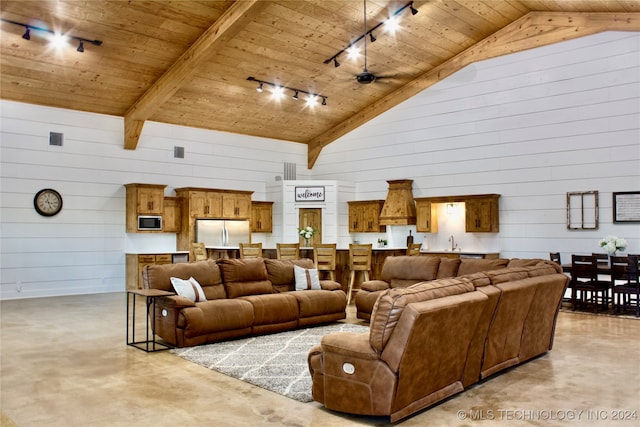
<point x="399" y="207"/>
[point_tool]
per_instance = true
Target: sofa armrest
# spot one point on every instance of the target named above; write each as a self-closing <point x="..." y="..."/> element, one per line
<point x="175" y="301"/>
<point x="348" y="375"/>
<point x="330" y="285"/>
<point x="375" y="285"/>
<point x="349" y="344"/>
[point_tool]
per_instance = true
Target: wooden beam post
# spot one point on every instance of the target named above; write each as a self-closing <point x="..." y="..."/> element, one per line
<point x="535" y="29"/>
<point x="167" y="85"/>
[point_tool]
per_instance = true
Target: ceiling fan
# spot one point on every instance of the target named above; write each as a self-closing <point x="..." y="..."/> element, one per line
<point x="366" y="77"/>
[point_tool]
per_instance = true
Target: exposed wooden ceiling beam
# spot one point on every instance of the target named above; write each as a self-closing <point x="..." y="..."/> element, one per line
<point x="226" y="26"/>
<point x="533" y="30"/>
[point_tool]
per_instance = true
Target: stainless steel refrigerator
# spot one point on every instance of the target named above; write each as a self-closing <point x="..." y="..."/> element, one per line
<point x="223" y="232"/>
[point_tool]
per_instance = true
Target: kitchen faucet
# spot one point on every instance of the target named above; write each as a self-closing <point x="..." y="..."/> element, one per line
<point x="454" y="245"/>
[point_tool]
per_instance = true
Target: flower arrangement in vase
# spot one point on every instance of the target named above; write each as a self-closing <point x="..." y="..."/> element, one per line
<point x="307" y="233"/>
<point x="613" y="244"/>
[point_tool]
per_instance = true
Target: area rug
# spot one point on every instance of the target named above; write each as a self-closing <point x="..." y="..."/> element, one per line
<point x="276" y="362"/>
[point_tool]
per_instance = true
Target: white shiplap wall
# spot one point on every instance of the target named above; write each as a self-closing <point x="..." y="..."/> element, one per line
<point x="530" y="126"/>
<point x="82" y="250"/>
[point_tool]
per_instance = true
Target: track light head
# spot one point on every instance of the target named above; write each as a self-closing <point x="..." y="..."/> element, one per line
<point x="413" y="9"/>
<point x="372" y="37"/>
<point x="259" y="88"/>
<point x="27" y="34"/>
<point x="80" y="46"/>
<point x="295" y="96"/>
<point x="324" y="100"/>
<point x="336" y="63"/>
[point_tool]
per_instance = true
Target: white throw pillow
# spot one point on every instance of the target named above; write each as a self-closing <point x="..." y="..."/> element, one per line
<point x="306" y="278"/>
<point x="189" y="289"/>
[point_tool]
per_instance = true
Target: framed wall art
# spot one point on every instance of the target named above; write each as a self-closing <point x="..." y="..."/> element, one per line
<point x="582" y="210"/>
<point x="626" y="206"/>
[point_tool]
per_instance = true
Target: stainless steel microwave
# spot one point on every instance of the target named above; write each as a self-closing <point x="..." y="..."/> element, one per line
<point x="150" y="223"/>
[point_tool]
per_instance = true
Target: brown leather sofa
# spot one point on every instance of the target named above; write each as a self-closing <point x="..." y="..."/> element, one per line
<point x="429" y="341"/>
<point x="244" y="297"/>
<point x="403" y="271"/>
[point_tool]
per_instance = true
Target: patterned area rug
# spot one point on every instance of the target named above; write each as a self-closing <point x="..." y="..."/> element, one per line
<point x="276" y="362"/>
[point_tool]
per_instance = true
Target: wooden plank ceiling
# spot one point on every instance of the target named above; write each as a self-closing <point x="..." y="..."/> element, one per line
<point x="187" y="62"/>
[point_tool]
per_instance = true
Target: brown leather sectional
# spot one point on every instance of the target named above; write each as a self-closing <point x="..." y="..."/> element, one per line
<point x="432" y="340"/>
<point x="244" y="297"/>
<point x="403" y="271"/>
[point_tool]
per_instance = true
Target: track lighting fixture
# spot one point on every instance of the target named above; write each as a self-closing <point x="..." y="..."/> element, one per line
<point x="369" y="33"/>
<point x="28" y="28"/>
<point x="278" y="90"/>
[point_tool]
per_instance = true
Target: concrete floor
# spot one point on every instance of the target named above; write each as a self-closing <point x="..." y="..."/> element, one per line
<point x="65" y="363"/>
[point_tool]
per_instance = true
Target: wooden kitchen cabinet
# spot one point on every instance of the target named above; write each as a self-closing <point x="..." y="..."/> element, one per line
<point x="364" y="216"/>
<point x="426" y="216"/>
<point x="236" y="205"/>
<point x="204" y="204"/>
<point x="208" y="203"/>
<point x="171" y="219"/>
<point x="143" y="199"/>
<point x="135" y="263"/>
<point x="481" y="214"/>
<point x="261" y="217"/>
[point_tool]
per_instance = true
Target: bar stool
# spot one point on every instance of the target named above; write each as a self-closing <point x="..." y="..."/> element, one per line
<point x="414" y="249"/>
<point x="324" y="258"/>
<point x="198" y="251"/>
<point x="288" y="250"/>
<point x="359" y="260"/>
<point x="250" y="250"/>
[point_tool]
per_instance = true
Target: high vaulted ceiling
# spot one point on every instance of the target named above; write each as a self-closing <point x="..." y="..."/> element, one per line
<point x="187" y="62"/>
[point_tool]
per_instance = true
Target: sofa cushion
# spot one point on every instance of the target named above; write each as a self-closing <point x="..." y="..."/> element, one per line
<point x="306" y="278"/>
<point x="478" y="279"/>
<point x="280" y="272"/>
<point x="207" y="273"/>
<point x="405" y="270"/>
<point x="246" y="276"/>
<point x="474" y="265"/>
<point x="544" y="268"/>
<point x="448" y="267"/>
<point x="507" y="275"/>
<point x="523" y="262"/>
<point x="189" y="289"/>
<point x="391" y="303"/>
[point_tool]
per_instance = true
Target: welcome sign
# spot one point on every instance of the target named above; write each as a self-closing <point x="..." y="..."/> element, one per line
<point x="309" y="194"/>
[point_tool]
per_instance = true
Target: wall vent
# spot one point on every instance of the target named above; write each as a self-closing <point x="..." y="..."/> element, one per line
<point x="178" y="152"/>
<point x="289" y="171"/>
<point x="56" y="138"/>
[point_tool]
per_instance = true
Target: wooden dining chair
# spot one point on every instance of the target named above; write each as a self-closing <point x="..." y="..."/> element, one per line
<point x="198" y="251"/>
<point x="288" y="250"/>
<point x="324" y="258"/>
<point x="359" y="261"/>
<point x="555" y="257"/>
<point x="625" y="286"/>
<point x="414" y="249"/>
<point x="250" y="250"/>
<point x="584" y="280"/>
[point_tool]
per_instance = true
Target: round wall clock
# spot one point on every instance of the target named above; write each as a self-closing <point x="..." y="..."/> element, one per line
<point x="48" y="202"/>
